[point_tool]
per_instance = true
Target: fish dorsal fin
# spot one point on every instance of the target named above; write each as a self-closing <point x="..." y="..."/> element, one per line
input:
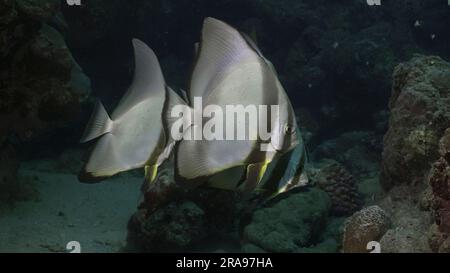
<point x="252" y="44"/>
<point x="222" y="48"/>
<point x="148" y="80"/>
<point x="255" y="47"/>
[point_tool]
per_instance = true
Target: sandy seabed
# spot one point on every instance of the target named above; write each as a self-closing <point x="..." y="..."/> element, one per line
<point x="95" y="215"/>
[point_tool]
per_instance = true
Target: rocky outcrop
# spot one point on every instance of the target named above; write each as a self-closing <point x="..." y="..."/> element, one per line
<point x="420" y="113"/>
<point x="175" y="218"/>
<point x="439" y="181"/>
<point x="290" y="225"/>
<point x="410" y="222"/>
<point x="41" y="85"/>
<point x="173" y="228"/>
<point x="226" y="213"/>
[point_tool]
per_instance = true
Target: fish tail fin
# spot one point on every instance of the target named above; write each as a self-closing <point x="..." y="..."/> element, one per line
<point x="99" y="124"/>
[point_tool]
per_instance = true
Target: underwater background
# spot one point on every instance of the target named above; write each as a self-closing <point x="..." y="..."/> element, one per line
<point x="370" y="85"/>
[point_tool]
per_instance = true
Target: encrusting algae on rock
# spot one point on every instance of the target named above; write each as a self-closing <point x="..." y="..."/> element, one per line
<point x="39" y="80"/>
<point x="420" y="113"/>
<point x="291" y="224"/>
<point x="439" y="181"/>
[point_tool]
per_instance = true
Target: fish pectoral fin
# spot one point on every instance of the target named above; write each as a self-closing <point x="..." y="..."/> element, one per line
<point x="255" y="174"/>
<point x="151" y="172"/>
<point x="99" y="124"/>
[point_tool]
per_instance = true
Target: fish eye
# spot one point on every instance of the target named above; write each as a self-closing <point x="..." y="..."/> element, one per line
<point x="289" y="129"/>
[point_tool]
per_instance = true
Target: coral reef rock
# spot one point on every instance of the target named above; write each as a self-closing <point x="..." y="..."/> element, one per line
<point x="213" y="213"/>
<point x="172" y="228"/>
<point x="363" y="227"/>
<point x="41" y="86"/>
<point x="420" y="113"/>
<point x="439" y="180"/>
<point x="439" y="242"/>
<point x="226" y="213"/>
<point x="409" y="221"/>
<point x="331" y="239"/>
<point x="444" y="145"/>
<point x="402" y="240"/>
<point x="341" y="186"/>
<point x="289" y="225"/>
<point x="39" y="98"/>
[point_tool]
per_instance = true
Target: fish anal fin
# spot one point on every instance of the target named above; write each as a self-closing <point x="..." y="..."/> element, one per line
<point x="99" y="124"/>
